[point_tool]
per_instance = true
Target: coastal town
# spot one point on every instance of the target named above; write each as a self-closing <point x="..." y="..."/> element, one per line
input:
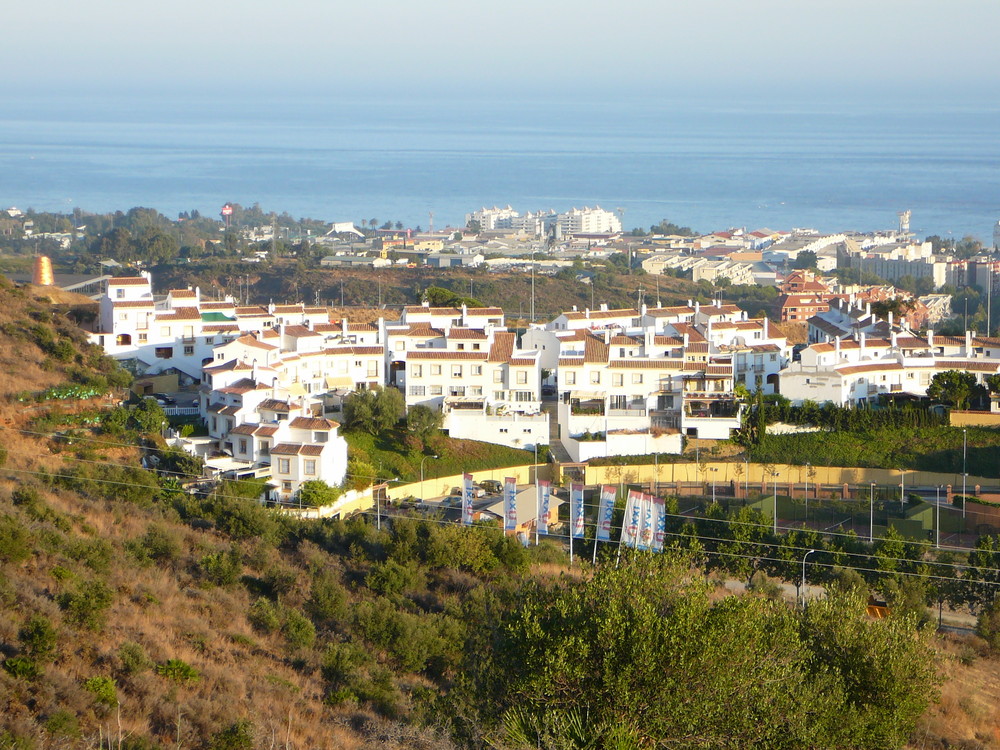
<point x="269" y="381"/>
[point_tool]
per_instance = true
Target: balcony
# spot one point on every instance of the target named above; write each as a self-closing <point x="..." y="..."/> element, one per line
<point x="707" y="395"/>
<point x="626" y="412"/>
<point x="712" y="409"/>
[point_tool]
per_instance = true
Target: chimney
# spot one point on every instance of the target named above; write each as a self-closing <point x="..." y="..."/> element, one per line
<point x="862" y="338"/>
<point x="893" y="337"/>
<point x="642" y="309"/>
<point x="604" y="307"/>
<point x="586" y="313"/>
<point x="930" y="338"/>
<point x="343" y="326"/>
<point x="647" y="335"/>
<point x="968" y="343"/>
<point x="766" y="334"/>
<point x="686" y="339"/>
<point x="690" y="303"/>
<point x="902" y="323"/>
<point x="868" y="308"/>
<point x="890" y="318"/>
<point x="607" y="335"/>
<point x="697" y="307"/>
<point x="836" y="347"/>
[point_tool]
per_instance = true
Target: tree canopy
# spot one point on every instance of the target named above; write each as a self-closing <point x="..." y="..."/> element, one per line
<point x="956" y="388"/>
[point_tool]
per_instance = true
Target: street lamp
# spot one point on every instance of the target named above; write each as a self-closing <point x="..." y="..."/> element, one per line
<point x="808" y="467"/>
<point x="902" y="489"/>
<point x="746" y="478"/>
<point x="804" y="575"/>
<point x="774" y="484"/>
<point x="937" y="525"/>
<point x="422" y="474"/>
<point x="965" y="467"/>
<point x="871" y="516"/>
<point x="713" y="470"/>
<point x="378" y="501"/>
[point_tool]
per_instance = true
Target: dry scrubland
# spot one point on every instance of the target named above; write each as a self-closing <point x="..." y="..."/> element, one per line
<point x="223" y="627"/>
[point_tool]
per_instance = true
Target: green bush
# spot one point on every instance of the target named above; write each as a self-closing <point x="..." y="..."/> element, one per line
<point x="340" y="663"/>
<point x="87" y="606"/>
<point x="327" y="604"/>
<point x="22" y="668"/>
<point x="61" y="724"/>
<point x="221" y="568"/>
<point x="298" y="630"/>
<point x="392" y="578"/>
<point x="178" y="671"/>
<point x="264" y="615"/>
<point x="15" y="541"/>
<point x="237" y="736"/>
<point x="38" y="638"/>
<point x="133" y="658"/>
<point x="103" y="689"/>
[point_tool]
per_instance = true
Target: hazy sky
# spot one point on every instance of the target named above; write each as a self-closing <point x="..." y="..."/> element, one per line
<point x="516" y="47"/>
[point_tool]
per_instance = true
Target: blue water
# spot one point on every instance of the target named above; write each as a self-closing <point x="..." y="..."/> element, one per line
<point x="707" y="166"/>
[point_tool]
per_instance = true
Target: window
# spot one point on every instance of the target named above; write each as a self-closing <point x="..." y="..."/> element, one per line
<point x="321" y="436"/>
<point x="461" y="347"/>
<point x="435" y="369"/>
<point x="637" y="378"/>
<point x="499" y="395"/>
<point x="210" y="340"/>
<point x="265" y="448"/>
<point x="286" y="486"/>
<point x="523" y="396"/>
<point x="400" y="346"/>
<point x="475" y="390"/>
<point x="142" y="338"/>
<point x="164" y="352"/>
<point x="617" y="380"/>
<point x="165" y="331"/>
<point x="310" y="468"/>
<point x="595" y="377"/>
<point x="122" y="316"/>
<point x="618" y="402"/>
<point x="120" y="293"/>
<point x="498" y="375"/>
<point x="456" y="371"/>
<point x="475" y="347"/>
<point x="189" y="351"/>
<point x="211" y="424"/>
<point x="189" y="332"/>
<point x="522" y="377"/>
<point x="436" y="390"/>
<point x="570" y="378"/>
<point x="477" y="369"/>
<point x="417" y="390"/>
<point x="283" y="466"/>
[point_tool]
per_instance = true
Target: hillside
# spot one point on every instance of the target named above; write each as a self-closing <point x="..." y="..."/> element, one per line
<point x="139" y="617"/>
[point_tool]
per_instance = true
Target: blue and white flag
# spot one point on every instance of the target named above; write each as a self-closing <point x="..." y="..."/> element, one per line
<point x="633" y="518"/>
<point x="576" y="509"/>
<point x="510" y="504"/>
<point x="606" y="512"/>
<point x="645" y="540"/>
<point x="545" y="490"/>
<point x="660" y="526"/>
<point x="468" y="492"/>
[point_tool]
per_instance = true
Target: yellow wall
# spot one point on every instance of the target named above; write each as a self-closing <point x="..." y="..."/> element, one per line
<point x="974" y="419"/>
<point x="442" y="485"/>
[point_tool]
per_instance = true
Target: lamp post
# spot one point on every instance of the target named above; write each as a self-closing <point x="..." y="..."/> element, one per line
<point x="422" y="474"/>
<point x="902" y="489"/>
<point x="965" y="468"/>
<point x="774" y="485"/>
<point x="746" y="478"/>
<point x="937" y="524"/>
<point x="378" y="501"/>
<point x="804" y="575"/>
<point x="713" y="470"/>
<point x="871" y="516"/>
<point x="808" y="467"/>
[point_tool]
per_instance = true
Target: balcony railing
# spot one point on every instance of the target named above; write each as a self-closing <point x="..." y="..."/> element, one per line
<point x="626" y="412"/>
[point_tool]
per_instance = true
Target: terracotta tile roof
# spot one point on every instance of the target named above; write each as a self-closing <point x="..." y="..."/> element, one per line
<point x="298" y="332"/>
<point x="217" y="306"/>
<point x="313" y="423"/>
<point x="646" y="364"/>
<point x="626" y="340"/>
<point x="248" y="339"/>
<point x="272" y="404"/>
<point x="252" y="312"/>
<point x="667" y="341"/>
<point x="286" y="449"/>
<point x="697" y="348"/>
<point x="226" y="411"/>
<point x="355" y="350"/>
<point x="243" y="385"/>
<point x="288" y="308"/>
<point x="570" y="361"/>
<point x="444" y="354"/>
<point x="265" y="431"/>
<point x="418" y="330"/>
<point x="220" y="327"/>
<point x="312" y="450"/>
<point x="464" y="334"/>
<point x="719" y="370"/>
<point x="135" y="303"/>
<point x="625" y="312"/>
<point x="231" y="365"/>
<point x="595" y="350"/>
<point x="362" y="328"/>
<point x="180" y="313"/>
<point x="243" y="429"/>
<point x="128" y="281"/>
<point x="183" y="294"/>
<point x="522" y="361"/>
<point x="967" y="365"/>
<point x="503" y="346"/>
<point x="316" y="310"/>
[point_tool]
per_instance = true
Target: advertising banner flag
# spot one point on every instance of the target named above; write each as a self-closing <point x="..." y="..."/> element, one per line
<point x="645" y="539"/>
<point x="545" y="490"/>
<point x="630" y="526"/>
<point x="576" y="510"/>
<point x="510" y="504"/>
<point x="606" y="512"/>
<point x="660" y="524"/>
<point x="468" y="492"/>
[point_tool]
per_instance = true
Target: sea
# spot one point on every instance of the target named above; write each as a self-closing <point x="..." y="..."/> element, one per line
<point x="705" y="164"/>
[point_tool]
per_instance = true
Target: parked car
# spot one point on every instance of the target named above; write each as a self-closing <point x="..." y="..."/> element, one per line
<point x="477" y="491"/>
<point x="548" y="390"/>
<point x="491" y="486"/>
<point x="164" y="400"/>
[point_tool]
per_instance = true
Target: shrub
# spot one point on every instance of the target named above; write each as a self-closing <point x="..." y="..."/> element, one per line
<point x="61" y="724"/>
<point x="103" y="689"/>
<point x="96" y="554"/>
<point x="328" y="602"/>
<point x="297" y="629"/>
<point x="340" y="663"/>
<point x="38" y="638"/>
<point x="133" y="658"/>
<point x="221" y="568"/>
<point x="15" y="541"/>
<point x="264" y="616"/>
<point x="177" y="670"/>
<point x="391" y="578"/>
<point x="87" y="606"/>
<point x="22" y="667"/>
<point x="160" y="544"/>
<point x="237" y="736"/>
<point x="988" y="625"/>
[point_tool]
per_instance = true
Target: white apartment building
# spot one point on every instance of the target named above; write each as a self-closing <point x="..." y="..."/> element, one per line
<point x="858" y="370"/>
<point x="588" y="220"/>
<point x="491" y="218"/>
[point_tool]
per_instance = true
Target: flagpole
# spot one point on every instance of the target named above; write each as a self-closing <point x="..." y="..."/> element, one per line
<point x="621" y="536"/>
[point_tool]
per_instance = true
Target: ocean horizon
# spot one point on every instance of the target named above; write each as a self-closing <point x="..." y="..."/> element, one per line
<point x="704" y="164"/>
